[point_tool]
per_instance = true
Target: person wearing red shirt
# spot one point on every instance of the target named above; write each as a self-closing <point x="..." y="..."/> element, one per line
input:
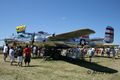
<point x="27" y="55"/>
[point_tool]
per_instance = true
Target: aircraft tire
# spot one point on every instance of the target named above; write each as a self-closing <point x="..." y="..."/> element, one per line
<point x="56" y="56"/>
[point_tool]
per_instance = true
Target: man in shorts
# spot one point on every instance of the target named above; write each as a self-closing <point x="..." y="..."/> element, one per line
<point x="11" y="55"/>
<point x="27" y="55"/>
<point x="20" y="55"/>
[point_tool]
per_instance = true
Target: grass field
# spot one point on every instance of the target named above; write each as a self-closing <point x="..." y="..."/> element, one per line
<point x="65" y="69"/>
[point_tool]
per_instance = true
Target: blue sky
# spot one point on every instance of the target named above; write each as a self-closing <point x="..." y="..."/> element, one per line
<point x="59" y="16"/>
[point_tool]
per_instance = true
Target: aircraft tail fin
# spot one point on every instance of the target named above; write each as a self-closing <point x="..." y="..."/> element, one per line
<point x="109" y="34"/>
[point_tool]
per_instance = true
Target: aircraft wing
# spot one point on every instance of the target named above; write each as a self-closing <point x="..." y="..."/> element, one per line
<point x="54" y="44"/>
<point x="72" y="34"/>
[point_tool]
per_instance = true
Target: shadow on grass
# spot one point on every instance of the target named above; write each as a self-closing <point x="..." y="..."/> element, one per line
<point x="106" y="57"/>
<point x="7" y="61"/>
<point x="32" y="66"/>
<point x="89" y="65"/>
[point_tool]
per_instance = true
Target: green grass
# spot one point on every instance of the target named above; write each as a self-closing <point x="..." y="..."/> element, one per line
<point x="62" y="70"/>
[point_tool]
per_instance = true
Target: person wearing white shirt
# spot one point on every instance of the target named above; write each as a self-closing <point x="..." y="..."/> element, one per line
<point x="11" y="54"/>
<point x="34" y="52"/>
<point x="5" y="52"/>
<point x="91" y="53"/>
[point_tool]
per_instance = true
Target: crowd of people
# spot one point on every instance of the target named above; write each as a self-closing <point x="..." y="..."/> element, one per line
<point x="81" y="53"/>
<point x="18" y="53"/>
<point x="25" y="53"/>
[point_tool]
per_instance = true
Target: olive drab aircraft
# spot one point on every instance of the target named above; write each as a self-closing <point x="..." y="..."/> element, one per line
<point x="73" y="37"/>
<point x="77" y="37"/>
<point x="60" y="41"/>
